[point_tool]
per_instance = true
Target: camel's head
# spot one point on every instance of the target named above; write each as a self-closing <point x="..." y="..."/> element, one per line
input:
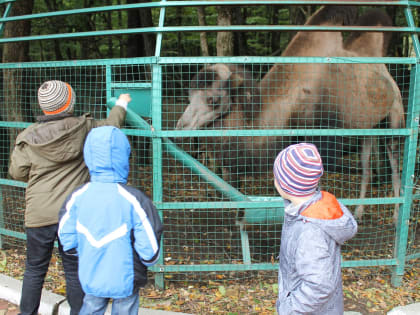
<point x="210" y="96"/>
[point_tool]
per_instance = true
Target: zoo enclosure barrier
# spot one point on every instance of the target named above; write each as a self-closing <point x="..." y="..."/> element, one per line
<point x="213" y="186"/>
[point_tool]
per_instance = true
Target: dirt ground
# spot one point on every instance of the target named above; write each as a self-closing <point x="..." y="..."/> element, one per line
<point x="366" y="290"/>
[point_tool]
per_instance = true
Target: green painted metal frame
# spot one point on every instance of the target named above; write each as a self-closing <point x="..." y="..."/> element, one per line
<point x="160" y="138"/>
<point x="410" y="149"/>
<point x="167" y="4"/>
<point x="6" y="13"/>
<point x="2" y="229"/>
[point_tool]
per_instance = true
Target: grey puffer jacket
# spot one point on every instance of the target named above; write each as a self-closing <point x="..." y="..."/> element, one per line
<point x="49" y="157"/>
<point x="310" y="258"/>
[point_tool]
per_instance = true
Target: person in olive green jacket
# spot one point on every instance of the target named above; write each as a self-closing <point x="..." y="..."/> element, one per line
<point x="48" y="155"/>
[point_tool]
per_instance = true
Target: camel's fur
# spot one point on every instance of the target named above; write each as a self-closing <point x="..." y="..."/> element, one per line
<point x="354" y="96"/>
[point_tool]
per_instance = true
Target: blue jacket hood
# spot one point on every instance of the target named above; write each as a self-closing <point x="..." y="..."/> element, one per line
<point x="107" y="153"/>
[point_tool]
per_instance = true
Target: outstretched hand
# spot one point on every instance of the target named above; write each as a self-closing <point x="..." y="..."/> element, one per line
<point x="125" y="97"/>
<point x="123" y="100"/>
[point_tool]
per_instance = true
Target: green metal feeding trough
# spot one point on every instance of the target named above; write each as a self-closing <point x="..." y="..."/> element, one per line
<point x="141" y="95"/>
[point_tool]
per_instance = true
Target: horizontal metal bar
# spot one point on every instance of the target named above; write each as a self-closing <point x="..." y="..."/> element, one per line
<point x="138" y="132"/>
<point x="14" y="124"/>
<point x="213" y="267"/>
<point x="281" y="59"/>
<point x="373" y="201"/>
<point x="163" y="4"/>
<point x="14" y="183"/>
<point x="282" y="132"/>
<point x="261" y="266"/>
<point x="134" y="85"/>
<point x="242" y="28"/>
<point x="369" y="263"/>
<point x="287" y="2"/>
<point x="247" y="133"/>
<point x="413" y="256"/>
<point x="279" y="28"/>
<point x="131" y="132"/>
<point x="266" y="204"/>
<point x="81" y="63"/>
<point x="20" y="235"/>
<point x="206" y="60"/>
<point x="217" y="205"/>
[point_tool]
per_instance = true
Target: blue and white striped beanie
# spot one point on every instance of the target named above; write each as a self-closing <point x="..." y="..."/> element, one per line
<point x="298" y="168"/>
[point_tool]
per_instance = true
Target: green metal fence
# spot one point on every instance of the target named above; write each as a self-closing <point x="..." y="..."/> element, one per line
<point x="213" y="185"/>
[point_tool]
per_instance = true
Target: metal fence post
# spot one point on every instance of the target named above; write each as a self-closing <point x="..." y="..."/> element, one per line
<point x="157" y="154"/>
<point x="1" y="217"/>
<point x="407" y="179"/>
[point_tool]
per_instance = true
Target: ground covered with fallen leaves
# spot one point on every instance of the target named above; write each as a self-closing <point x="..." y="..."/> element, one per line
<point x="366" y="290"/>
<point x="211" y="236"/>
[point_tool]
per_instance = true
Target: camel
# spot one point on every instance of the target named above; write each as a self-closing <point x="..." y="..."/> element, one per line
<point x="304" y="96"/>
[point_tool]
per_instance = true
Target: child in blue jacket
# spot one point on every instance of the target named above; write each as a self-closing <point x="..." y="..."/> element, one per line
<point x="315" y="226"/>
<point x="114" y="228"/>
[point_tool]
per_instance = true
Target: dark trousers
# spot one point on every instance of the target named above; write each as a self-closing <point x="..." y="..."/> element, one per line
<point x="39" y="248"/>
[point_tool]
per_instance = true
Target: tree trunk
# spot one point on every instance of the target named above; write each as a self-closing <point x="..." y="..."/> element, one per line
<point x="240" y="37"/>
<point x="275" y="37"/>
<point x="180" y="47"/>
<point x="148" y="39"/>
<point x="52" y="6"/>
<point x="224" y="42"/>
<point x="140" y="45"/>
<point x="203" y="36"/>
<point x="135" y="47"/>
<point x="13" y="79"/>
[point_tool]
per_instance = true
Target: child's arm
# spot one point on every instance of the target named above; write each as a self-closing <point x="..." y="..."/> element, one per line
<point x="67" y="232"/>
<point x="147" y="226"/>
<point x="117" y="114"/>
<point x="147" y="229"/>
<point x="20" y="163"/>
<point x="315" y="267"/>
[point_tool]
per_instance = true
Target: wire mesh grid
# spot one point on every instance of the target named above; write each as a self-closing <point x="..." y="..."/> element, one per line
<point x="88" y="83"/>
<point x="413" y="246"/>
<point x="245" y="159"/>
<point x="237" y="147"/>
<point x="20" y="105"/>
<point x="224" y="97"/>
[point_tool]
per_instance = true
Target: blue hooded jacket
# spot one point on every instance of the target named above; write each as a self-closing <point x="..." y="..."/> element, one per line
<point x="114" y="227"/>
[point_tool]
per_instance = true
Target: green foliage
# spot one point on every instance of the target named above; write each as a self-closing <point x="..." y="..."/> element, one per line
<point x="175" y="43"/>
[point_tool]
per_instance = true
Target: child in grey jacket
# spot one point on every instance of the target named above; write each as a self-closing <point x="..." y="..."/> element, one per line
<point x="315" y="226"/>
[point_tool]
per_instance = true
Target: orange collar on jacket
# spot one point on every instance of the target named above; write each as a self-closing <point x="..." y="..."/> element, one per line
<point x="327" y="208"/>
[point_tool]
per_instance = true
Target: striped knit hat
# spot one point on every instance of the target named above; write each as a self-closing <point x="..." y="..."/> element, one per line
<point x="298" y="168"/>
<point x="56" y="97"/>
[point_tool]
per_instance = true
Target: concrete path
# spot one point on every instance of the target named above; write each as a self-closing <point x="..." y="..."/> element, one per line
<point x="10" y="291"/>
<point x="10" y="295"/>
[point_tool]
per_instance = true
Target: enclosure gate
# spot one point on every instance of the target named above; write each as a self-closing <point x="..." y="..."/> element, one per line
<point x="148" y="95"/>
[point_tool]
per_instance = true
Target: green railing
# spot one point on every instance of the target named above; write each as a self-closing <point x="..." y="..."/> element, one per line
<point x="208" y="219"/>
